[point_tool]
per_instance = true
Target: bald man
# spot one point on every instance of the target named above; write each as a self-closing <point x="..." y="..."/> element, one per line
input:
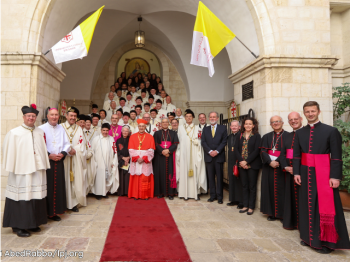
<point x="273" y="177"/>
<point x="290" y="216"/>
<point x="58" y="146"/>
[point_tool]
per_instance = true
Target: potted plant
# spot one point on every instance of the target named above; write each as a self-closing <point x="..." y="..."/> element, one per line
<point x="341" y="105"/>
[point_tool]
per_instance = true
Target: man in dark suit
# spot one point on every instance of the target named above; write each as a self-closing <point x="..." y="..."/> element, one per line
<point x="214" y="138"/>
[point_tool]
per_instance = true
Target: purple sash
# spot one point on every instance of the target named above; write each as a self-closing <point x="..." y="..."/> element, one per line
<point x="289" y="154"/>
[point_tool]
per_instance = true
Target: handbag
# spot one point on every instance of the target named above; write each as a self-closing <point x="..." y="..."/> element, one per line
<point x="236" y="170"/>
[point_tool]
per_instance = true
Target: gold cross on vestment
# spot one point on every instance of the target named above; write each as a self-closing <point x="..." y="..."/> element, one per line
<point x="140" y="146"/>
<point x="165" y="145"/>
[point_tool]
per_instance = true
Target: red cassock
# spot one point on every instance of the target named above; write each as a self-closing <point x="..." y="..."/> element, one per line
<point x="141" y="184"/>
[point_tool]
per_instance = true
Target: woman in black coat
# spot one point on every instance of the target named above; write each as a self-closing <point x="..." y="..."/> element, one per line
<point x="248" y="156"/>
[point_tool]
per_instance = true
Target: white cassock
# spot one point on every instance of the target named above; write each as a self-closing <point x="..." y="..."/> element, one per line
<point x="125" y="108"/>
<point x="107" y="105"/>
<point x="156" y="122"/>
<point x="162" y="114"/>
<point x="133" y="123"/>
<point x="105" y="158"/>
<point x="75" y="166"/>
<point x="130" y="104"/>
<point x="169" y="107"/>
<point x="124" y="92"/>
<point x="189" y="156"/>
<point x="150" y="129"/>
<point x="102" y="121"/>
<point x="25" y="159"/>
<point x="111" y="112"/>
<point x="91" y="166"/>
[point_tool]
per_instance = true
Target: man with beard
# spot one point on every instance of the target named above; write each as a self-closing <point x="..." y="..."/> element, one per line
<point x="166" y="142"/>
<point x="317" y="169"/>
<point x="75" y="162"/>
<point x="273" y="177"/>
<point x="235" y="184"/>
<point x="192" y="179"/>
<point x="115" y="129"/>
<point x="58" y="146"/>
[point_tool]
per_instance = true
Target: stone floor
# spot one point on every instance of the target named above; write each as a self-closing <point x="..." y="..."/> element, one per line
<point x="211" y="232"/>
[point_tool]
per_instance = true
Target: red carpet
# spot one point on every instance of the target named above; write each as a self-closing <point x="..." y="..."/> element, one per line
<point x="143" y="231"/>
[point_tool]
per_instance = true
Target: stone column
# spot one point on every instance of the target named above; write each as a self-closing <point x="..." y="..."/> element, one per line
<point x="26" y="78"/>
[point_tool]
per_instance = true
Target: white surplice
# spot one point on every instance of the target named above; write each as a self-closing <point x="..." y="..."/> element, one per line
<point x="56" y="138"/>
<point x="91" y="166"/>
<point x="190" y="187"/>
<point x="76" y="189"/>
<point x="105" y="157"/>
<point x="25" y="158"/>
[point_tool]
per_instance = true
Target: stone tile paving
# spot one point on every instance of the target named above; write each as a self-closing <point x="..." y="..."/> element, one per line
<point x="211" y="232"/>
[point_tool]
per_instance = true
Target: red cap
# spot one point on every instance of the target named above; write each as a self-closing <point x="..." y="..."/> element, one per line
<point x="141" y="121"/>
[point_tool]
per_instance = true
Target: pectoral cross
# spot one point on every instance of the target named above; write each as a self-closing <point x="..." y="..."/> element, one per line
<point x="274" y="149"/>
<point x="165" y="145"/>
<point x="140" y="146"/>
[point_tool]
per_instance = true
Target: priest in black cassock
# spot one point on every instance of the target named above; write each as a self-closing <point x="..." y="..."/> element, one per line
<point x="164" y="167"/>
<point x="273" y="177"/>
<point x="235" y="184"/>
<point x="58" y="146"/>
<point x="123" y="160"/>
<point x="290" y="215"/>
<point x="317" y="167"/>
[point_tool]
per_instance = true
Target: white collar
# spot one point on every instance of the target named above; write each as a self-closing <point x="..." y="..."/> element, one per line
<point x="311" y="125"/>
<point x="28" y="127"/>
<point x="52" y="125"/>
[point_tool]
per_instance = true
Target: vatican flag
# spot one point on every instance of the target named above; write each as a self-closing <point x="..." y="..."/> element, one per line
<point x="210" y="36"/>
<point x="76" y="44"/>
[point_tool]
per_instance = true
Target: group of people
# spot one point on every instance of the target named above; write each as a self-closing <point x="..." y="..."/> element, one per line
<point x="52" y="168"/>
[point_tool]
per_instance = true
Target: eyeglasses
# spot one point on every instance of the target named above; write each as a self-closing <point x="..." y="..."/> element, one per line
<point x="275" y="122"/>
<point x="295" y="119"/>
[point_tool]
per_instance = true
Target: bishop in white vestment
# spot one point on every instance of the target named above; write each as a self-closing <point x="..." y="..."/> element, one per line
<point x="25" y="159"/>
<point x="75" y="162"/>
<point x="192" y="179"/>
<point x="107" y="176"/>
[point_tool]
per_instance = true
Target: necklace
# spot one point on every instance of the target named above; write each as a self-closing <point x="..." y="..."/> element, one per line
<point x="114" y="132"/>
<point x="188" y="132"/>
<point x="140" y="141"/>
<point x="273" y="142"/>
<point x="165" y="140"/>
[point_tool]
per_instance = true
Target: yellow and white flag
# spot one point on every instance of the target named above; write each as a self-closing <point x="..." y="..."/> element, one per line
<point x="210" y="36"/>
<point x="76" y="44"/>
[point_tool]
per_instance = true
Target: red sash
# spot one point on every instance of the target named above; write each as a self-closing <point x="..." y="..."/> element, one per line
<point x="289" y="154"/>
<point x="276" y="154"/>
<point x="322" y="165"/>
<point x="166" y="145"/>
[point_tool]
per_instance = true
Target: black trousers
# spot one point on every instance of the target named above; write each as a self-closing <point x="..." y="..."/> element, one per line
<point x="249" y="178"/>
<point x="215" y="169"/>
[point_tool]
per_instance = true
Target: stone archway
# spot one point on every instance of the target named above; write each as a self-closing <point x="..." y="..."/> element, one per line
<point x="170" y="76"/>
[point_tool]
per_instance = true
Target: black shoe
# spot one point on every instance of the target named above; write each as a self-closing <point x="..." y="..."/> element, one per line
<point x="55" y="218"/>
<point x="186" y="199"/>
<point x="181" y="197"/>
<point x="243" y="211"/>
<point x="211" y="199"/>
<point x="230" y="204"/>
<point x="136" y="199"/>
<point x="146" y="198"/>
<point x="21" y="232"/>
<point x="220" y="202"/>
<point x="250" y="213"/>
<point x="106" y="196"/>
<point x="171" y="197"/>
<point x="324" y="250"/>
<point x="281" y="220"/>
<point x="98" y="197"/>
<point x="303" y="243"/>
<point x="198" y="198"/>
<point x="75" y="209"/>
<point x="240" y="206"/>
<point x="36" y="230"/>
<point x="271" y="218"/>
<point x="160" y="196"/>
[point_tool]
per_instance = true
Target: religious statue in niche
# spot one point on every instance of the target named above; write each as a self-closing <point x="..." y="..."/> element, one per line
<point x="233" y="110"/>
<point x="137" y="65"/>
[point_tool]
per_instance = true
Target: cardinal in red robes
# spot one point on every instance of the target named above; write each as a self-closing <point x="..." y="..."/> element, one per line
<point x="141" y="150"/>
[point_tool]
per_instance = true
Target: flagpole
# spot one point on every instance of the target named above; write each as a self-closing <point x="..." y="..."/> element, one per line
<point x="47" y="52"/>
<point x="246" y="47"/>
